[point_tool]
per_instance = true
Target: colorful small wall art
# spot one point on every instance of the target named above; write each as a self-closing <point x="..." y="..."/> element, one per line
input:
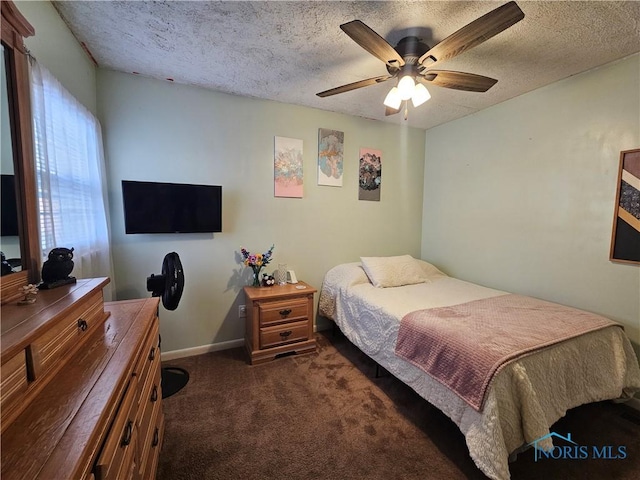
<point x="370" y="174"/>
<point x="287" y="167"/>
<point x="330" y="157"/>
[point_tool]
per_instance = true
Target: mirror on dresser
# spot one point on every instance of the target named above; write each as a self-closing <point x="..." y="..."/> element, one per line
<point x="9" y="231"/>
<point x="22" y="248"/>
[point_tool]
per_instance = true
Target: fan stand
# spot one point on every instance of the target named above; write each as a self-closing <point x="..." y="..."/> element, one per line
<point x="173" y="380"/>
<point x="169" y="286"/>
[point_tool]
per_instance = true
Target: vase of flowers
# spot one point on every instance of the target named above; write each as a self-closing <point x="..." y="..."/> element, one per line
<point x="256" y="262"/>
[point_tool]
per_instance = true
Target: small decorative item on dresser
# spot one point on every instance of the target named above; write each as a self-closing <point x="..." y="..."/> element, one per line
<point x="268" y="280"/>
<point x="29" y="291"/>
<point x="56" y="270"/>
<point x="256" y="262"/>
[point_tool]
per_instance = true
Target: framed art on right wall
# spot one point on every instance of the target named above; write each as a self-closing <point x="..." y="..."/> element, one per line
<point x="625" y="235"/>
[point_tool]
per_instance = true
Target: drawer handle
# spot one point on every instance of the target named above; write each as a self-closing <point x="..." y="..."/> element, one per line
<point x="154" y="393"/>
<point x="128" y="433"/>
<point x="285" y="312"/>
<point x="83" y="325"/>
<point x="285" y="334"/>
<point x="156" y="437"/>
<point x="152" y="354"/>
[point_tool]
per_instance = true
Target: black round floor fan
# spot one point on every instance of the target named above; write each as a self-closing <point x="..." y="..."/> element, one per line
<point x="169" y="285"/>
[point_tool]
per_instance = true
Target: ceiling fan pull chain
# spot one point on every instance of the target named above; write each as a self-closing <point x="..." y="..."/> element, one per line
<point x="406" y="109"/>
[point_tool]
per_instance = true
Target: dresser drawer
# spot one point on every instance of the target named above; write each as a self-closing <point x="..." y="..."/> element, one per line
<point x="55" y="344"/>
<point x="119" y="448"/>
<point x="284" y="334"/>
<point x="148" y="362"/>
<point x="149" y="431"/>
<point x="151" y="464"/>
<point x="274" y="313"/>
<point x="14" y="383"/>
<point x="150" y="406"/>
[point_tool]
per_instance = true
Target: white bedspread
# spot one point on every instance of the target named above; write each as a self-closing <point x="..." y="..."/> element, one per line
<point x="525" y="399"/>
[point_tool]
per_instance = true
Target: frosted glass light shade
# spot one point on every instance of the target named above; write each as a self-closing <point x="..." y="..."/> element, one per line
<point x="420" y="95"/>
<point x="393" y="99"/>
<point x="406" y="86"/>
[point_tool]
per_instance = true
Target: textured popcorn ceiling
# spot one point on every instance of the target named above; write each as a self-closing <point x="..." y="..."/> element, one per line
<point x="289" y="51"/>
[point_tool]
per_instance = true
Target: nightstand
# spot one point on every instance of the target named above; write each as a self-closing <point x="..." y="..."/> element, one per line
<point x="279" y="320"/>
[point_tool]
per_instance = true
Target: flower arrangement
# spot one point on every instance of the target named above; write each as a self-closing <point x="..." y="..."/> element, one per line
<point x="256" y="262"/>
<point x="29" y="291"/>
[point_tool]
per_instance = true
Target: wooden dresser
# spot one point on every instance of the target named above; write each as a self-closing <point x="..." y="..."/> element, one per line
<point x="80" y="382"/>
<point x="279" y="321"/>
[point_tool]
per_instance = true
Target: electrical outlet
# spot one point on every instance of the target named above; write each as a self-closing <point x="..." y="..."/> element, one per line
<point x="242" y="311"/>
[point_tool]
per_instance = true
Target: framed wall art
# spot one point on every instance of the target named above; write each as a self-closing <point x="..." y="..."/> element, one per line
<point x="625" y="235"/>
<point x="330" y="157"/>
<point x="370" y="174"/>
<point x="287" y="167"/>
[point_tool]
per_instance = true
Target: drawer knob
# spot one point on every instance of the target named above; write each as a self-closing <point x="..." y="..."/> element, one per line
<point x="154" y="393"/>
<point x="82" y="324"/>
<point x="152" y="354"/>
<point x="285" y="312"/>
<point x="128" y="433"/>
<point x="156" y="437"/>
<point x="286" y="333"/>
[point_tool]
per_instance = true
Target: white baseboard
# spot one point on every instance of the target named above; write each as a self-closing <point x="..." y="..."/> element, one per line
<point x="190" y="352"/>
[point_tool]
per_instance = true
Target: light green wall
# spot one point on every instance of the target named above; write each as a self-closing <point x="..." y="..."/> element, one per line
<point x="520" y="196"/>
<point x="158" y="131"/>
<point x="55" y="47"/>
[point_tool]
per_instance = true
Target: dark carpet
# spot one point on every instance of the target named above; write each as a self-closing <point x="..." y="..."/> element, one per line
<point x="326" y="416"/>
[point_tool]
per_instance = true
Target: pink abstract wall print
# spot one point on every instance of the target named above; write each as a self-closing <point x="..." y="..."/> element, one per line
<point x="287" y="167"/>
<point x="330" y="157"/>
<point x="370" y="173"/>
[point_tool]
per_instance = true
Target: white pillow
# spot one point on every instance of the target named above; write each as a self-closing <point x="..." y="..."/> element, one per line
<point x="430" y="271"/>
<point x="393" y="271"/>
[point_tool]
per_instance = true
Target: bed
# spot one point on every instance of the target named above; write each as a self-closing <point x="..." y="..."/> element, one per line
<point x="367" y="300"/>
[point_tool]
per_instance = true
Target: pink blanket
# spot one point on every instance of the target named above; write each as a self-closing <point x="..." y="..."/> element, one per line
<point x="464" y="346"/>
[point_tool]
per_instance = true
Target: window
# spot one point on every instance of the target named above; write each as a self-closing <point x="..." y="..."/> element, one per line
<point x="70" y="176"/>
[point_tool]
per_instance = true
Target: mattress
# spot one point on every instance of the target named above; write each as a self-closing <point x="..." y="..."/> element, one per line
<point x="524" y="399"/>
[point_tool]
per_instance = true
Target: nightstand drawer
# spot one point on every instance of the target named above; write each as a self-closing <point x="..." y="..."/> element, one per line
<point x="284" y="334"/>
<point x="274" y="313"/>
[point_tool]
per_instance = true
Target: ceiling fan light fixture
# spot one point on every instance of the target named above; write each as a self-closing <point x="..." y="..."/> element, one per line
<point x="393" y="99"/>
<point x="420" y="95"/>
<point x="406" y="86"/>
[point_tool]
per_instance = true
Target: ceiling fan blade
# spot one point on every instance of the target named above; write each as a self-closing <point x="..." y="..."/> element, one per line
<point x="459" y="80"/>
<point x="475" y="33"/>
<point x="353" y="86"/>
<point x="391" y="111"/>
<point x="372" y="43"/>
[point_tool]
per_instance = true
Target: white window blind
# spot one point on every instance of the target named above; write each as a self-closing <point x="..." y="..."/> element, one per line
<point x="70" y="176"/>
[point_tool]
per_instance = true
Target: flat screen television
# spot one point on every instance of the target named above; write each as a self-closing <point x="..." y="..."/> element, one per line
<point x="154" y="207"/>
<point x="9" y="213"/>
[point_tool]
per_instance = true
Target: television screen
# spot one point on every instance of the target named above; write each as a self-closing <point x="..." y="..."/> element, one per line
<point x="153" y="207"/>
<point x="9" y="213"/>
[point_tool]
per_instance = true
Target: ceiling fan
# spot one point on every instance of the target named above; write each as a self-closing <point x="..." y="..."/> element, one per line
<point x="413" y="60"/>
